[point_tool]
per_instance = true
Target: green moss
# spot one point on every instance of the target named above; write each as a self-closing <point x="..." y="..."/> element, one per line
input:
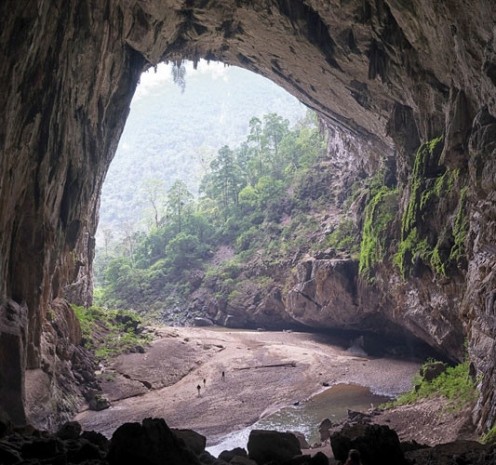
<point x="344" y="237"/>
<point x="490" y="436"/>
<point x="454" y="384"/>
<point x="418" y="197"/>
<point x="424" y="193"/>
<point x="437" y="263"/>
<point x="109" y="332"/>
<point x="460" y="228"/>
<point x="378" y="215"/>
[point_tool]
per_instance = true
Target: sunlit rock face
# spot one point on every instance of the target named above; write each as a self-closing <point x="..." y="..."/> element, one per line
<point x="391" y="74"/>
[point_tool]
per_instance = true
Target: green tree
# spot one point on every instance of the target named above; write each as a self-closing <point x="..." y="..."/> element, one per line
<point x="225" y="179"/>
<point x="179" y="199"/>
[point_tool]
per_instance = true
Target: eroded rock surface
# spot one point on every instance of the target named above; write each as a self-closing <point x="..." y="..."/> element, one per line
<point x="389" y="73"/>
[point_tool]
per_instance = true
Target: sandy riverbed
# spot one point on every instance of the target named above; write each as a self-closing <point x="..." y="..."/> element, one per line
<point x="263" y="372"/>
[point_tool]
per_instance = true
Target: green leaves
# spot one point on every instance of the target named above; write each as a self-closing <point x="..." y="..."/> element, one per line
<point x="244" y="197"/>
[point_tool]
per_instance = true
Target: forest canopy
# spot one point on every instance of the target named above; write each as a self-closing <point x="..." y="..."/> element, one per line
<point x="249" y="202"/>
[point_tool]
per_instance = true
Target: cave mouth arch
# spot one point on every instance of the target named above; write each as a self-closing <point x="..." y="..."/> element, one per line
<point x="376" y="69"/>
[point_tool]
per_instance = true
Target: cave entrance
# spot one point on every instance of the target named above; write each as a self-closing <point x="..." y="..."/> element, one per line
<point x="181" y="116"/>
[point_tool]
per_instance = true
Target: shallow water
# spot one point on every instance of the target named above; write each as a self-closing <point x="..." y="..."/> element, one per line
<point x="333" y="403"/>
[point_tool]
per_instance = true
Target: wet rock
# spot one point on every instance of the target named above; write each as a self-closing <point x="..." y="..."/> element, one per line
<point x="324" y="428"/>
<point x="266" y="446"/>
<point x="151" y="443"/>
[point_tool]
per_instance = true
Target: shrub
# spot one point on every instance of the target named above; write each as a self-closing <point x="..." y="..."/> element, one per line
<point x="110" y="332"/>
<point x="454" y="384"/>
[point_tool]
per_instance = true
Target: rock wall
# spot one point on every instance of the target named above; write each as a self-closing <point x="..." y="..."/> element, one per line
<point x="389" y="72"/>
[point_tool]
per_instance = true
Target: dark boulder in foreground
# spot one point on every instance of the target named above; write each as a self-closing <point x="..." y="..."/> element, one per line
<point x="378" y="444"/>
<point x="149" y="443"/>
<point x="153" y="442"/>
<point x="267" y="446"/>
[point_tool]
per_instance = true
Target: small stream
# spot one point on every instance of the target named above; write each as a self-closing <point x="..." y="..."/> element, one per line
<point x="333" y="403"/>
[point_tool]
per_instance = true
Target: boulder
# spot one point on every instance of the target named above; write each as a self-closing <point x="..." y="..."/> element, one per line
<point x="301" y="439"/>
<point x="193" y="440"/>
<point x="228" y="455"/>
<point x="432" y="370"/>
<point x="150" y="443"/>
<point x="377" y="444"/>
<point x="69" y="430"/>
<point x="96" y="438"/>
<point x="99" y="402"/>
<point x="266" y="446"/>
<point x="324" y="428"/>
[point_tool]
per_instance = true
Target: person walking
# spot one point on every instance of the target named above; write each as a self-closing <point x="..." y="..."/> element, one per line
<point x="199" y="390"/>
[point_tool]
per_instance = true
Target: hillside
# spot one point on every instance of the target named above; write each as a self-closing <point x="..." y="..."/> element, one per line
<point x="173" y="134"/>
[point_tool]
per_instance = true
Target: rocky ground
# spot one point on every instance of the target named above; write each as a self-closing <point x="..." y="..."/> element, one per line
<point x="264" y="371"/>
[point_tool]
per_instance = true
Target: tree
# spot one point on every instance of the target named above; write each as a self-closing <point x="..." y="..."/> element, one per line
<point x="226" y="180"/>
<point x="154" y="193"/>
<point x="179" y="197"/>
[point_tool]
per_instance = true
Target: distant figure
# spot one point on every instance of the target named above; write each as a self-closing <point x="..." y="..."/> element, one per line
<point x="204" y="382"/>
<point x="199" y="389"/>
<point x="353" y="458"/>
<point x="223" y="376"/>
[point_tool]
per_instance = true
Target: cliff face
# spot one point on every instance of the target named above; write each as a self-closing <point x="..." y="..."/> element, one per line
<point x="391" y="74"/>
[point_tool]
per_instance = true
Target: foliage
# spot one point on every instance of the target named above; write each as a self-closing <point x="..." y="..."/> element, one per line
<point x="490" y="436"/>
<point x="460" y="228"/>
<point x="172" y="135"/>
<point x="245" y="195"/>
<point x="430" y="186"/>
<point x="379" y="213"/>
<point x="454" y="384"/>
<point x="344" y="237"/>
<point x="110" y="332"/>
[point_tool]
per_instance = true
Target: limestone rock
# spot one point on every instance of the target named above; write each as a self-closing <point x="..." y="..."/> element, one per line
<point x="151" y="442"/>
<point x="193" y="440"/>
<point x="266" y="446"/>
<point x="377" y="444"/>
